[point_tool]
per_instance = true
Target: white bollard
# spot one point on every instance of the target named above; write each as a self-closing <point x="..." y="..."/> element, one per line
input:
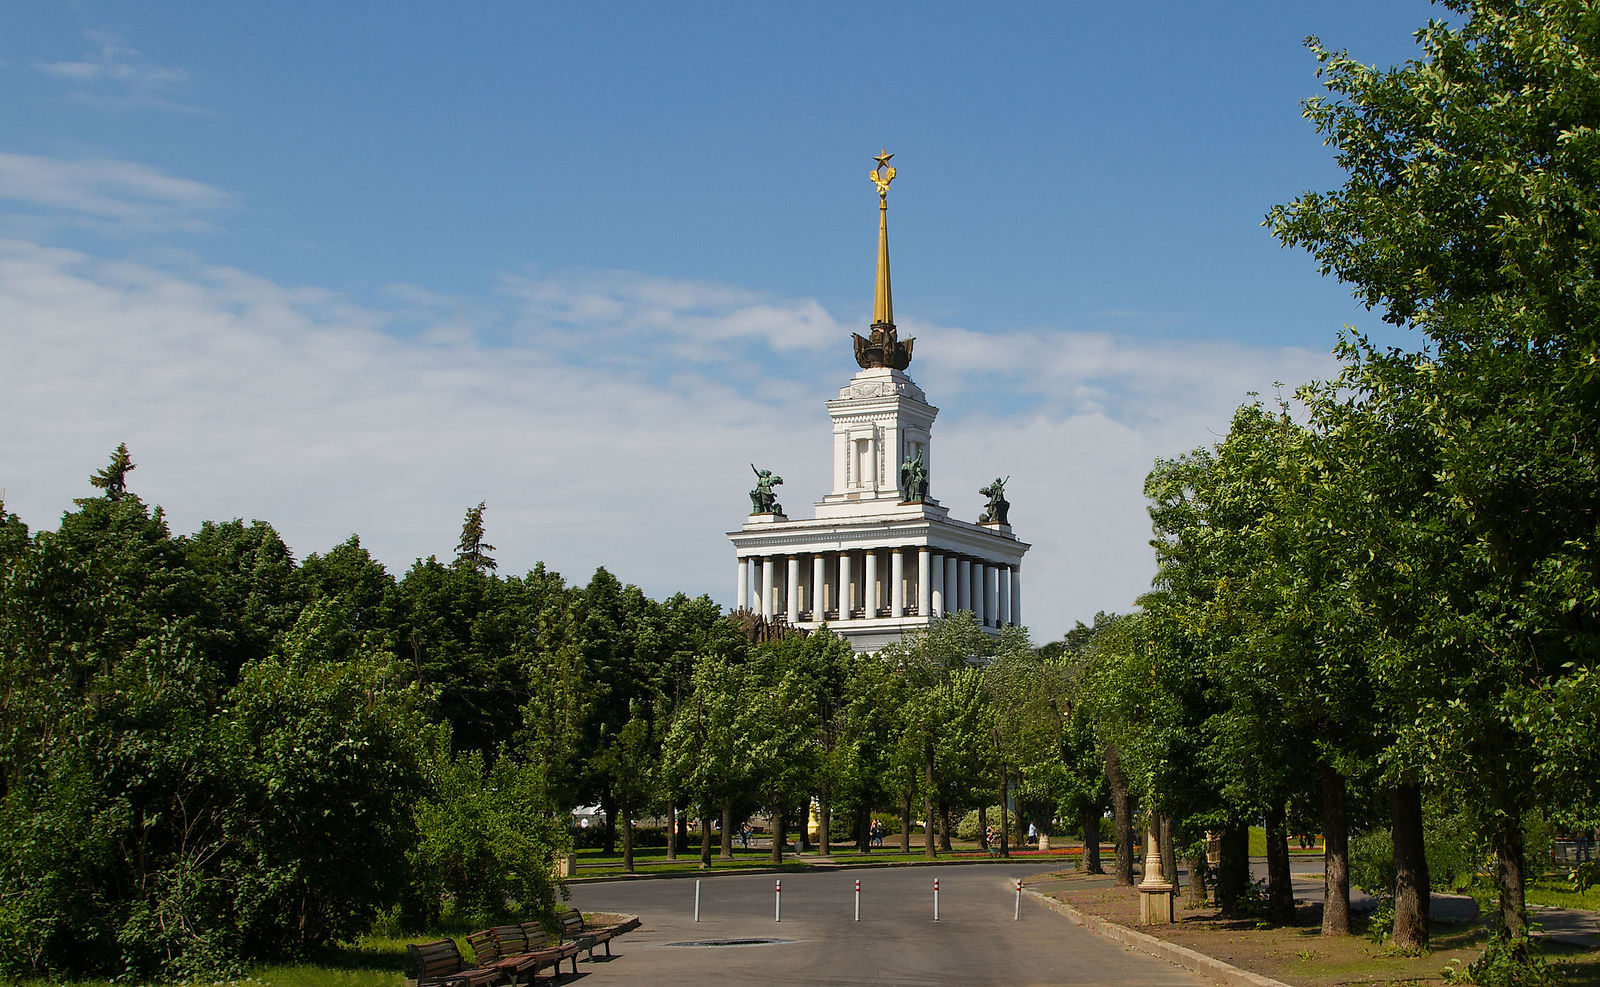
<point x="697" y="899"/>
<point x="858" y="899"/>
<point x="936" y="899"/>
<point x="777" y="901"/>
<point x="1018" y="913"/>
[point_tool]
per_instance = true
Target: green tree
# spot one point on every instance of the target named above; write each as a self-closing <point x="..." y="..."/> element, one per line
<point x="472" y="551"/>
<point x="1466" y="214"/>
<point x="114" y="478"/>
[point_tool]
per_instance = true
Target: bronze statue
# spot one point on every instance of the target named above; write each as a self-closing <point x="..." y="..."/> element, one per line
<point x="762" y="499"/>
<point x="998" y="507"/>
<point x="884" y="349"/>
<point x="914" y="479"/>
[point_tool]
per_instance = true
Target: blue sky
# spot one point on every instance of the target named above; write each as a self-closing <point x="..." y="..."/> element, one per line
<point x="354" y="267"/>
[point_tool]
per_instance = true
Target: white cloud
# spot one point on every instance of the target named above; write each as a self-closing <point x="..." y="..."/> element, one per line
<point x="118" y="196"/>
<point x="114" y="75"/>
<point x="583" y="408"/>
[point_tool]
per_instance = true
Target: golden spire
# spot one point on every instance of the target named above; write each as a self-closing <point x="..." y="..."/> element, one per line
<point x="882" y="301"/>
<point x="883" y="347"/>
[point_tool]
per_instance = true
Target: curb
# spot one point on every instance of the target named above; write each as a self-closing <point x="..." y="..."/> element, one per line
<point x="1183" y="956"/>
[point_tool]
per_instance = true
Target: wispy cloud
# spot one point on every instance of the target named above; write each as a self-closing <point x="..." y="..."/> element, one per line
<point x="114" y="75"/>
<point x="114" y="195"/>
<point x="243" y="397"/>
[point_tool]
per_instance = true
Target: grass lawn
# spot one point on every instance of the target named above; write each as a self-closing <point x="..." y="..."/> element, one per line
<point x="1553" y="889"/>
<point x="1258" y="844"/>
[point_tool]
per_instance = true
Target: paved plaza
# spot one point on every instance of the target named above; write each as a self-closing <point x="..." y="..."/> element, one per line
<point x="976" y="940"/>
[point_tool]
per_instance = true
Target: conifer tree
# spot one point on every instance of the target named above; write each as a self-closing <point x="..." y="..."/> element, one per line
<point x="114" y="478"/>
<point x="473" y="552"/>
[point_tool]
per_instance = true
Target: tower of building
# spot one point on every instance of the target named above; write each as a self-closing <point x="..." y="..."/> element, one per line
<point x="880" y="557"/>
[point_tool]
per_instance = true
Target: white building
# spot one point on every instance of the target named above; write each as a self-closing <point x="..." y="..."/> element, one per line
<point x="878" y="560"/>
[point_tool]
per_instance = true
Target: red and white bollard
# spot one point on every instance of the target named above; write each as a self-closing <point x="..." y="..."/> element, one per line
<point x="777" y="901"/>
<point x="1018" y="913"/>
<point x="936" y="899"/>
<point x="858" y="899"/>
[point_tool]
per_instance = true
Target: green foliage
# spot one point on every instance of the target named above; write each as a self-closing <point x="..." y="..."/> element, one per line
<point x="1505" y="963"/>
<point x="114" y="478"/>
<point x="472" y="552"/>
<point x="488" y="836"/>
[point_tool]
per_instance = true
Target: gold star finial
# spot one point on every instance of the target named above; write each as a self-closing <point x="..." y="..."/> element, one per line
<point x="887" y="173"/>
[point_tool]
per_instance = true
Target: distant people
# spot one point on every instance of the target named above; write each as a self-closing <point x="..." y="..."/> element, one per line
<point x="744" y="834"/>
<point x="988" y="837"/>
<point x="877" y="832"/>
<point x="1033" y="834"/>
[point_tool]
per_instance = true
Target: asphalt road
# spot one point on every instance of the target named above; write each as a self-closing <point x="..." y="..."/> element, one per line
<point x="897" y="941"/>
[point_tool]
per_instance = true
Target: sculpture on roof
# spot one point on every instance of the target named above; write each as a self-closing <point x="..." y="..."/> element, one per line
<point x="762" y="499"/>
<point x="998" y="507"/>
<point x="914" y="479"/>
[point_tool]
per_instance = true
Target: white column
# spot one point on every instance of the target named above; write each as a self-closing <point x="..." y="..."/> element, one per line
<point x="897" y="582"/>
<point x="741" y="596"/>
<point x="1016" y="594"/>
<point x="952" y="595"/>
<point x="924" y="587"/>
<point x="791" y="598"/>
<point x="1002" y="611"/>
<point x="819" y="587"/>
<point x="869" y="586"/>
<point x="766" y="586"/>
<point x="991" y="602"/>
<point x="847" y="598"/>
<point x="977" y="592"/>
<point x="964" y="586"/>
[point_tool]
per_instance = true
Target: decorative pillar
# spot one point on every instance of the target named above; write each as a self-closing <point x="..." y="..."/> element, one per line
<point x="869" y="585"/>
<point x="952" y="578"/>
<point x="766" y="586"/>
<point x="741" y="596"/>
<point x="1155" y="891"/>
<point x="964" y="586"/>
<point x="819" y="587"/>
<point x="1002" y="613"/>
<point x="897" y="582"/>
<point x="1016" y="593"/>
<point x="991" y="603"/>
<point x="924" y="587"/>
<point x="847" y="596"/>
<point x="792" y="597"/>
<point x="977" y="593"/>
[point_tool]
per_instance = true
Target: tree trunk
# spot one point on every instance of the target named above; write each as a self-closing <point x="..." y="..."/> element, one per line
<point x="1280" y="890"/>
<point x="927" y="800"/>
<point x="983" y="819"/>
<point x="1005" y="839"/>
<point x="608" y="838"/>
<point x="1336" y="858"/>
<point x="805" y="825"/>
<point x="1233" y="869"/>
<point x="1510" y="877"/>
<point x="864" y="828"/>
<point x="1169" y="851"/>
<point x="705" y="841"/>
<point x="627" y="838"/>
<point x="1196" y="897"/>
<point x="1411" y="887"/>
<point x="905" y="824"/>
<point x="780" y="825"/>
<point x="1122" y="812"/>
<point x="825" y="822"/>
<point x="727" y="831"/>
<point x="672" y="831"/>
<point x="1090" y="861"/>
<point x="944" y="825"/>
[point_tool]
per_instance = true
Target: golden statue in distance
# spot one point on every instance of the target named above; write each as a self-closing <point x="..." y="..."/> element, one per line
<point x="883" y="349"/>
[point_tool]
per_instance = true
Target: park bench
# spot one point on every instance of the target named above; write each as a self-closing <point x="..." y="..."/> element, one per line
<point x="575" y="929"/>
<point x="506" y="948"/>
<point x="536" y="940"/>
<point x="440" y="964"/>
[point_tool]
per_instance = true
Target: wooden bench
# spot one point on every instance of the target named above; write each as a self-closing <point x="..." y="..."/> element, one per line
<point x="440" y="964"/>
<point x="505" y="948"/>
<point x="535" y="939"/>
<point x="575" y="929"/>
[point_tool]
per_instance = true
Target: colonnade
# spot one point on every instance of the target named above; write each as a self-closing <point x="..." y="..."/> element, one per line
<point x="876" y="583"/>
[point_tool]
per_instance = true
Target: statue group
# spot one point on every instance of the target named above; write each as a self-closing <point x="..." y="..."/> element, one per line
<point x="762" y="499"/>
<point x="914" y="479"/>
<point x="998" y="507"/>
